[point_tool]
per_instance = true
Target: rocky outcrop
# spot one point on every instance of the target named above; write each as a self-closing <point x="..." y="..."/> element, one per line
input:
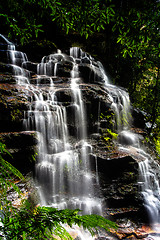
<point x="13" y="103"/>
<point x="119" y="179"/>
<point x="22" y="147"/>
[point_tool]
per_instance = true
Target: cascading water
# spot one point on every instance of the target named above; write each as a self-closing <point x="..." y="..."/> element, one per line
<point x="63" y="171"/>
<point x="150" y="190"/>
<point x="61" y="165"/>
<point x="64" y="178"/>
<point x="129" y="141"/>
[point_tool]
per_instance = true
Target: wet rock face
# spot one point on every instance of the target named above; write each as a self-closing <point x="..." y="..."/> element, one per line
<point x="23" y="148"/>
<point x="13" y="103"/>
<point x="139" y="119"/>
<point x="119" y="178"/>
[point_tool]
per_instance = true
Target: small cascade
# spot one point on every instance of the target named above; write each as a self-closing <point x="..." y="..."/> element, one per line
<point x="80" y="123"/>
<point x="150" y="189"/>
<point x="121" y="107"/>
<point x="16" y="57"/>
<point x="120" y="103"/>
<point x="55" y="69"/>
<point x="49" y="64"/>
<point x="130" y="142"/>
<point x="6" y="44"/>
<point x="77" y="53"/>
<point x="105" y="77"/>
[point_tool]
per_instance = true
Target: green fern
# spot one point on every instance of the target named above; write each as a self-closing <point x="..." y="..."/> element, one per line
<point x="7" y="175"/>
<point x="46" y="223"/>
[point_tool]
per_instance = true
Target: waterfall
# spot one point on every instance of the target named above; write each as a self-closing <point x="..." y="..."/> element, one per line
<point x="149" y="186"/>
<point x="64" y="176"/>
<point x="129" y="141"/>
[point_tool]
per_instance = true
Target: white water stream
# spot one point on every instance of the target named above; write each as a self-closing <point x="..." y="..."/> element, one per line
<point x="64" y="177"/>
<point x="149" y="183"/>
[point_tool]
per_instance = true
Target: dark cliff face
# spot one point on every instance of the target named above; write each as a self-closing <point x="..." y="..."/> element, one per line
<point x="118" y="170"/>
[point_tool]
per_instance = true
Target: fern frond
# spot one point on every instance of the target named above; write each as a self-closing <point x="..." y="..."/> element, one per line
<point x="11" y="168"/>
<point x="3" y="149"/>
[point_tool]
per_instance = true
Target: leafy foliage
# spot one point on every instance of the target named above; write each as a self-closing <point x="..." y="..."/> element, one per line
<point x="138" y="38"/>
<point x="40" y="222"/>
<point x="84" y="17"/>
<point x="15" y="17"/>
<point x="147" y="94"/>
<point x="158" y="145"/>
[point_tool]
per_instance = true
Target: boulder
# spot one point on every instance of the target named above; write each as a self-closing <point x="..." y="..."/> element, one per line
<point x="128" y="138"/>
